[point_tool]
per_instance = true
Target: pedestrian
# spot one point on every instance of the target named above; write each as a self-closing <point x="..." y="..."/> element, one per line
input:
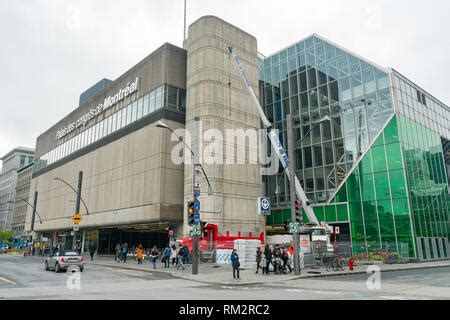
<point x="92" y="249"/>
<point x="124" y="252"/>
<point x="180" y="263"/>
<point x="268" y="256"/>
<point x="262" y="264"/>
<point x="140" y="254"/>
<point x="235" y="263"/>
<point x="166" y="256"/>
<point x="118" y="252"/>
<point x="173" y="255"/>
<point x="285" y="258"/>
<point x="185" y="251"/>
<point x="258" y="259"/>
<point x="154" y="256"/>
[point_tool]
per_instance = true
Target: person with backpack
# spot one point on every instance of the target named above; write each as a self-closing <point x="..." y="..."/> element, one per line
<point x="154" y="256"/>
<point x="235" y="263"/>
<point x="185" y="251"/>
<point x="124" y="252"/>
<point x="166" y="257"/>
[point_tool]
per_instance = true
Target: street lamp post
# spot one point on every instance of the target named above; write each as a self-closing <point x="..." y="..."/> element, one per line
<point x="196" y="172"/>
<point x="78" y="201"/>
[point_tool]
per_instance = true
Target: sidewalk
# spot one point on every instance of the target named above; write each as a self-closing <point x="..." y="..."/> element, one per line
<point x="222" y="274"/>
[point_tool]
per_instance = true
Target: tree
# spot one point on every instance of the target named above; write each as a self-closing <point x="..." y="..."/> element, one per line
<point x="6" y="235"/>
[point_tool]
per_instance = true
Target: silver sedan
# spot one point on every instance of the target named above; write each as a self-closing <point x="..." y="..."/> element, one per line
<point x="64" y="260"/>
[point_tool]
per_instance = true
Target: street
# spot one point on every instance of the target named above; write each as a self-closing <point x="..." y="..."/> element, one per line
<point x="25" y="278"/>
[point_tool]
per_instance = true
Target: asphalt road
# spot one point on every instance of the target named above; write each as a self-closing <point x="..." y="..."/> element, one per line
<point x="25" y="278"/>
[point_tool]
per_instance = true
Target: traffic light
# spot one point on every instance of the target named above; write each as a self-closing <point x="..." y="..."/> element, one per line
<point x="191" y="213"/>
<point x="204" y="230"/>
<point x="298" y="211"/>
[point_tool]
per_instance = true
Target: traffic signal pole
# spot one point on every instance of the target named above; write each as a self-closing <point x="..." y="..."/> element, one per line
<point x="295" y="235"/>
<point x="195" y="253"/>
<point x="77" y="207"/>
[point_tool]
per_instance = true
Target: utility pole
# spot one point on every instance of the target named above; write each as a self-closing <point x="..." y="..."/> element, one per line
<point x="196" y="189"/>
<point x="295" y="235"/>
<point x="33" y="216"/>
<point x="77" y="206"/>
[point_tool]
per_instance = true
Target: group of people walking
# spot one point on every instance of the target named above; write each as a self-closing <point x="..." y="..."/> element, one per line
<point x="279" y="258"/>
<point x="175" y="255"/>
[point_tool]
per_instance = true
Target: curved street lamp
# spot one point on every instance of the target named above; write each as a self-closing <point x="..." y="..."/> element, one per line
<point x="67" y="184"/>
<point x="40" y="219"/>
<point x="162" y="125"/>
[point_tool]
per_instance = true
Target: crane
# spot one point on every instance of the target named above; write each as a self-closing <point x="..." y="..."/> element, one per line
<point x="275" y="141"/>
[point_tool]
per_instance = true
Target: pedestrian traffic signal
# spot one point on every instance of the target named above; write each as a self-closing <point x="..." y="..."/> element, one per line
<point x="286" y="226"/>
<point x="191" y="213"/>
<point x="298" y="211"/>
<point x="204" y="229"/>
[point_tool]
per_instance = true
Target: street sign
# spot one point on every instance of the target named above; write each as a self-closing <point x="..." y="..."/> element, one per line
<point x="196" y="230"/>
<point x="337" y="230"/>
<point x="196" y="193"/>
<point x="76" y="218"/>
<point x="76" y="228"/>
<point x="293" y="227"/>
<point x="263" y="206"/>
<point x="197" y="217"/>
<point x="197" y="205"/>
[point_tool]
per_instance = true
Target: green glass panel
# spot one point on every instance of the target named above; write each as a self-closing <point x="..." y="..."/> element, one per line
<point x="379" y="141"/>
<point x="319" y="212"/>
<point x="353" y="188"/>
<point x="341" y="196"/>
<point x="365" y="166"/>
<point x="379" y="159"/>
<point x="372" y="231"/>
<point x="278" y="218"/>
<point x="386" y="221"/>
<point x="342" y="214"/>
<point x="305" y="218"/>
<point x="367" y="187"/>
<point x="330" y="213"/>
<point x="382" y="186"/>
<point x="398" y="187"/>
<point x="370" y="210"/>
<point x="355" y="211"/>
<point x="391" y="132"/>
<point x="394" y="156"/>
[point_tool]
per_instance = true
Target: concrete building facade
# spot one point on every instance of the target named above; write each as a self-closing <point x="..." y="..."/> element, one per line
<point x="11" y="162"/>
<point x="24" y="176"/>
<point x="132" y="190"/>
<point x="216" y="94"/>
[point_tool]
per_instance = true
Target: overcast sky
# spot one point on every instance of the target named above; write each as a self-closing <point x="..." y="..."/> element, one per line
<point x="52" y="50"/>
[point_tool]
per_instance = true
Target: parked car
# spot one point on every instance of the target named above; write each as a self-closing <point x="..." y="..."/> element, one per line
<point x="62" y="260"/>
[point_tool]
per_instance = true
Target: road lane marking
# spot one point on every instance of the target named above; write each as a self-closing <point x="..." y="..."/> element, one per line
<point x="6" y="280"/>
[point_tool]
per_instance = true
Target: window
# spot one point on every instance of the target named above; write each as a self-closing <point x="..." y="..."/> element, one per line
<point x="172" y="97"/>
<point x="159" y="98"/>
<point x="134" y="111"/>
<point x="152" y="101"/>
<point x="124" y="117"/>
<point x="146" y="108"/>
<point x="119" y="119"/>
<point x="128" y="114"/>
<point x="140" y="107"/>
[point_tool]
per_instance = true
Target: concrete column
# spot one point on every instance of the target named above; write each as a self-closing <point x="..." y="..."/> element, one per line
<point x="216" y="94"/>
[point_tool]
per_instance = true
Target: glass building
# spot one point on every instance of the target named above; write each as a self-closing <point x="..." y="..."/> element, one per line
<point x="377" y="169"/>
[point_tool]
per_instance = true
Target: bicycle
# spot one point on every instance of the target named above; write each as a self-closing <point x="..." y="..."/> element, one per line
<point x="336" y="264"/>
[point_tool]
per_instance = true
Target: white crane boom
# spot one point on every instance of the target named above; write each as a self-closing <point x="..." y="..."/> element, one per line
<point x="274" y="140"/>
